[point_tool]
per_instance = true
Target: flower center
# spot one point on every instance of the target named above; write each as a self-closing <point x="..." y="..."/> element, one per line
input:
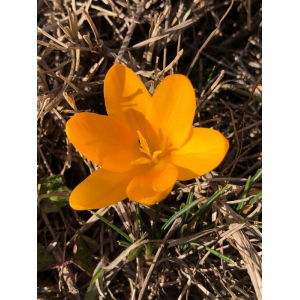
<point x="144" y="148"/>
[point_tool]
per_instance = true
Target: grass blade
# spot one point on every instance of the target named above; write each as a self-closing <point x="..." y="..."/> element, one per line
<point x="218" y="254"/>
<point x="211" y="74"/>
<point x="176" y="215"/>
<point x="91" y="292"/>
<point x="253" y="180"/>
<point x="188" y="201"/>
<point x="244" y="195"/>
<point x="153" y="228"/>
<point x="140" y="222"/>
<point x="124" y="244"/>
<point x="256" y="198"/>
<point x="113" y="227"/>
<point x="214" y="252"/>
<point x="207" y="205"/>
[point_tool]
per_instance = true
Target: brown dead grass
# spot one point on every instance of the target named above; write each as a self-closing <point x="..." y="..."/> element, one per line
<point x="78" y="41"/>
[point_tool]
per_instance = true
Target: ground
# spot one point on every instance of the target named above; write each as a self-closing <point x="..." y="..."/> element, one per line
<point x="217" y="254"/>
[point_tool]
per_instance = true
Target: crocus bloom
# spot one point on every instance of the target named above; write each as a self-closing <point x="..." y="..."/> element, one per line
<point x="145" y="143"/>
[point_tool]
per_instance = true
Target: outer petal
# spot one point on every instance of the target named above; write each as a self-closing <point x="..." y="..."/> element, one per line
<point x="171" y="112"/>
<point x="154" y="185"/>
<point x="126" y="97"/>
<point x="104" y="140"/>
<point x="203" y="152"/>
<point x="156" y="197"/>
<point x="102" y="188"/>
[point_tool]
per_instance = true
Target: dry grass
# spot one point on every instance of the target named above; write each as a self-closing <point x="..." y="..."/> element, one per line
<point x="78" y="41"/>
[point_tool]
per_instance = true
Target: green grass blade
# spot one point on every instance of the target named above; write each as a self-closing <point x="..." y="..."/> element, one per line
<point x="182" y="205"/>
<point x="207" y="205"/>
<point x="132" y="255"/>
<point x="140" y="222"/>
<point x="97" y="275"/>
<point x="186" y="214"/>
<point x="182" y="229"/>
<point x="218" y="254"/>
<point x="242" y="92"/>
<point x="176" y="215"/>
<point x="153" y="228"/>
<point x="249" y="184"/>
<point x="244" y="195"/>
<point x="209" y="226"/>
<point x="188" y="201"/>
<point x="124" y="244"/>
<point x="211" y="74"/>
<point x="256" y="198"/>
<point x="113" y="227"/>
<point x="91" y="292"/>
<point x="246" y="188"/>
<point x="255" y="178"/>
<point x="181" y="235"/>
<point x="214" y="252"/>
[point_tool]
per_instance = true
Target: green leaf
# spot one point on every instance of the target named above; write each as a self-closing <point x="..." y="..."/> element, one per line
<point x="124" y="244"/>
<point x="100" y="270"/>
<point x="181" y="234"/>
<point x="91" y="292"/>
<point x="218" y="254"/>
<point x="186" y="214"/>
<point x="255" y="178"/>
<point x="211" y="74"/>
<point x="256" y="198"/>
<point x="207" y="205"/>
<point x="140" y="221"/>
<point x="209" y="226"/>
<point x="44" y="258"/>
<point x="244" y="195"/>
<point x="244" y="192"/>
<point x="133" y="254"/>
<point x="51" y="184"/>
<point x="188" y="201"/>
<point x="153" y="228"/>
<point x="83" y="257"/>
<point x="99" y="273"/>
<point x="176" y="215"/>
<point x="113" y="226"/>
<point x="242" y="92"/>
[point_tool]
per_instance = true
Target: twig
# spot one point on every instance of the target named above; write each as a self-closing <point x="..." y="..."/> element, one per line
<point x="208" y="39"/>
<point x="158" y="253"/>
<point x="130" y="31"/>
<point x="213" y="85"/>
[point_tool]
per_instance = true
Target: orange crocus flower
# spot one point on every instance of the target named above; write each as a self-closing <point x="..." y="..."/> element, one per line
<point x="145" y="143"/>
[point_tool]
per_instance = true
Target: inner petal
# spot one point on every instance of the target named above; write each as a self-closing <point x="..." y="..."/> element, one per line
<point x="142" y="161"/>
<point x="158" y="179"/>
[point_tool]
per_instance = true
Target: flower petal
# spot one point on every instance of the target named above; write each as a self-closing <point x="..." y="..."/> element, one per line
<point x="102" y="188"/>
<point x="154" y="185"/>
<point x="126" y="97"/>
<point x="203" y="152"/>
<point x="171" y="112"/>
<point x="104" y="140"/>
<point x="151" y="200"/>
